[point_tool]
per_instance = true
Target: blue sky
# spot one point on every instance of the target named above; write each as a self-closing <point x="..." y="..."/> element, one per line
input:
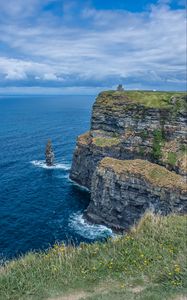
<point x="84" y="46"/>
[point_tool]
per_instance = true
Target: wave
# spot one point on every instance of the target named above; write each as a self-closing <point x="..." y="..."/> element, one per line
<point x="86" y="230"/>
<point x="62" y="176"/>
<point x="80" y="187"/>
<point x="42" y="164"/>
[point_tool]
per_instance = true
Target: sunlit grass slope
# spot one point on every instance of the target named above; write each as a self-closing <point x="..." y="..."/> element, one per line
<point x="148" y="99"/>
<point x="147" y="263"/>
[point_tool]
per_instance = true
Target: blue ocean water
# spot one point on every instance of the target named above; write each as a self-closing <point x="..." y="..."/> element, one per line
<point x="40" y="206"/>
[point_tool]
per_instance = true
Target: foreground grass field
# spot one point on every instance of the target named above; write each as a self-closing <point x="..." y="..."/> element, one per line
<point x="149" y="263"/>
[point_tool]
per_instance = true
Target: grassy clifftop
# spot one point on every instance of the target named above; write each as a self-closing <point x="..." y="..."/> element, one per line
<point x="154" y="173"/>
<point x="148" y="99"/>
<point x="149" y="263"/>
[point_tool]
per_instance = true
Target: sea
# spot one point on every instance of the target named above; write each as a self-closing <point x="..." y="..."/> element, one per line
<point x="41" y="206"/>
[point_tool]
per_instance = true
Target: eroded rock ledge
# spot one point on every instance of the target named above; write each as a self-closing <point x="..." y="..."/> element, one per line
<point x="129" y="125"/>
<point x="126" y="126"/>
<point x="123" y="190"/>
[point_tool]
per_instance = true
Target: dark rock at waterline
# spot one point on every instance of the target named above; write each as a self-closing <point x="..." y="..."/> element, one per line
<point x="49" y="154"/>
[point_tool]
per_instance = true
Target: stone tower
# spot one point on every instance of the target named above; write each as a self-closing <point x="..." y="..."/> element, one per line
<point x="120" y="88"/>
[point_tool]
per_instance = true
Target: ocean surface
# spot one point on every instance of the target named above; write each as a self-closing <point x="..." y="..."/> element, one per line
<point x="40" y="206"/>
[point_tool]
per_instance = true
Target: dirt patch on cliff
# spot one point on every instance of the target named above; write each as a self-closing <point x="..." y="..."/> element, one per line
<point x="77" y="296"/>
<point x="137" y="289"/>
<point x="101" y="289"/>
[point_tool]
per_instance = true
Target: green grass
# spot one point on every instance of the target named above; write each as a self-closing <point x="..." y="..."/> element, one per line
<point x="148" y="263"/>
<point x="148" y="99"/>
<point x="183" y="148"/>
<point x="158" y="141"/>
<point x="106" y="141"/>
<point x="172" y="158"/>
<point x="150" y="172"/>
<point x="144" y="134"/>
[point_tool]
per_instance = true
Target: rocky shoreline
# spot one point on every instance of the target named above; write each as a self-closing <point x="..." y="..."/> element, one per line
<point x="127" y="128"/>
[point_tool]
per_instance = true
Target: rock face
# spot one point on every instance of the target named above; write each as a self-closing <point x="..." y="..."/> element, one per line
<point x="128" y="125"/>
<point x="49" y="154"/>
<point x="123" y="190"/>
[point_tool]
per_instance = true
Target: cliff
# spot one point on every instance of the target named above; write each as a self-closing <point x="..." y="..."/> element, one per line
<point x="129" y="125"/>
<point x="122" y="191"/>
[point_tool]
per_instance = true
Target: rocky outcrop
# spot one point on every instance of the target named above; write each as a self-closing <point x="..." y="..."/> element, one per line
<point x="49" y="154"/>
<point x="121" y="113"/>
<point x="123" y="190"/>
<point x="126" y="126"/>
<point x="89" y="151"/>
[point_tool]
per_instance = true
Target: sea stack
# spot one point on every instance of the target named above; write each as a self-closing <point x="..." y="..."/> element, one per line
<point x="49" y="154"/>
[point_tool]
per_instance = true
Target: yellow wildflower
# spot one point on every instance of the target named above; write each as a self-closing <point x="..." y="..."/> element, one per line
<point x="177" y="269"/>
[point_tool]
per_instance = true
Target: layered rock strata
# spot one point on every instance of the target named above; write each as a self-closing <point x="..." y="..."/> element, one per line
<point x="122" y="191"/>
<point x="126" y="126"/>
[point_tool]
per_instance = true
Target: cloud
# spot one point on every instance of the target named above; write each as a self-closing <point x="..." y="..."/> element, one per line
<point x="170" y="2"/>
<point x="22" y="9"/>
<point x="16" y="69"/>
<point x="95" y="48"/>
<point x="50" y="76"/>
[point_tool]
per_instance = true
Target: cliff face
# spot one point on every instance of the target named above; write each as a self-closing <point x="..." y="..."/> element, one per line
<point x="89" y="151"/>
<point x="149" y="126"/>
<point x="123" y="190"/>
<point x="128" y="125"/>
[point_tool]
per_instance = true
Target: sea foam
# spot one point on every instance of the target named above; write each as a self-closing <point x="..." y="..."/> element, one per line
<point x="80" y="187"/>
<point x="86" y="230"/>
<point x="42" y="164"/>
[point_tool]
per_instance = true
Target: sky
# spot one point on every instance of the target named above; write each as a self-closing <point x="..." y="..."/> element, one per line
<point x="85" y="46"/>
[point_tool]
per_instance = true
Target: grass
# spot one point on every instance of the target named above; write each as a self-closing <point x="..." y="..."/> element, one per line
<point x="99" y="141"/>
<point x="147" y="263"/>
<point x="106" y="141"/>
<point x="155" y="174"/>
<point x="172" y="158"/>
<point x="148" y="99"/>
<point x="158" y="140"/>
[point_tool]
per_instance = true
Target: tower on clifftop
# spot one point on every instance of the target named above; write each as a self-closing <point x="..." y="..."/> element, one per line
<point x="120" y="88"/>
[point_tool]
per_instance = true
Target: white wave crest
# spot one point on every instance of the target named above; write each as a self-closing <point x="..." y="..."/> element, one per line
<point x="86" y="230"/>
<point x="42" y="164"/>
<point x="62" y="176"/>
<point x="80" y="187"/>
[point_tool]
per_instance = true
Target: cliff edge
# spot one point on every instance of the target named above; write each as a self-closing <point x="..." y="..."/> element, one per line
<point x="123" y="190"/>
<point x="125" y="126"/>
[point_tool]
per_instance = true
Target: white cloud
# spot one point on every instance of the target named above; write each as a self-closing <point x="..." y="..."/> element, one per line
<point x="15" y="69"/>
<point x="20" y="9"/>
<point x="148" y="46"/>
<point x="15" y="75"/>
<point x="50" y="76"/>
